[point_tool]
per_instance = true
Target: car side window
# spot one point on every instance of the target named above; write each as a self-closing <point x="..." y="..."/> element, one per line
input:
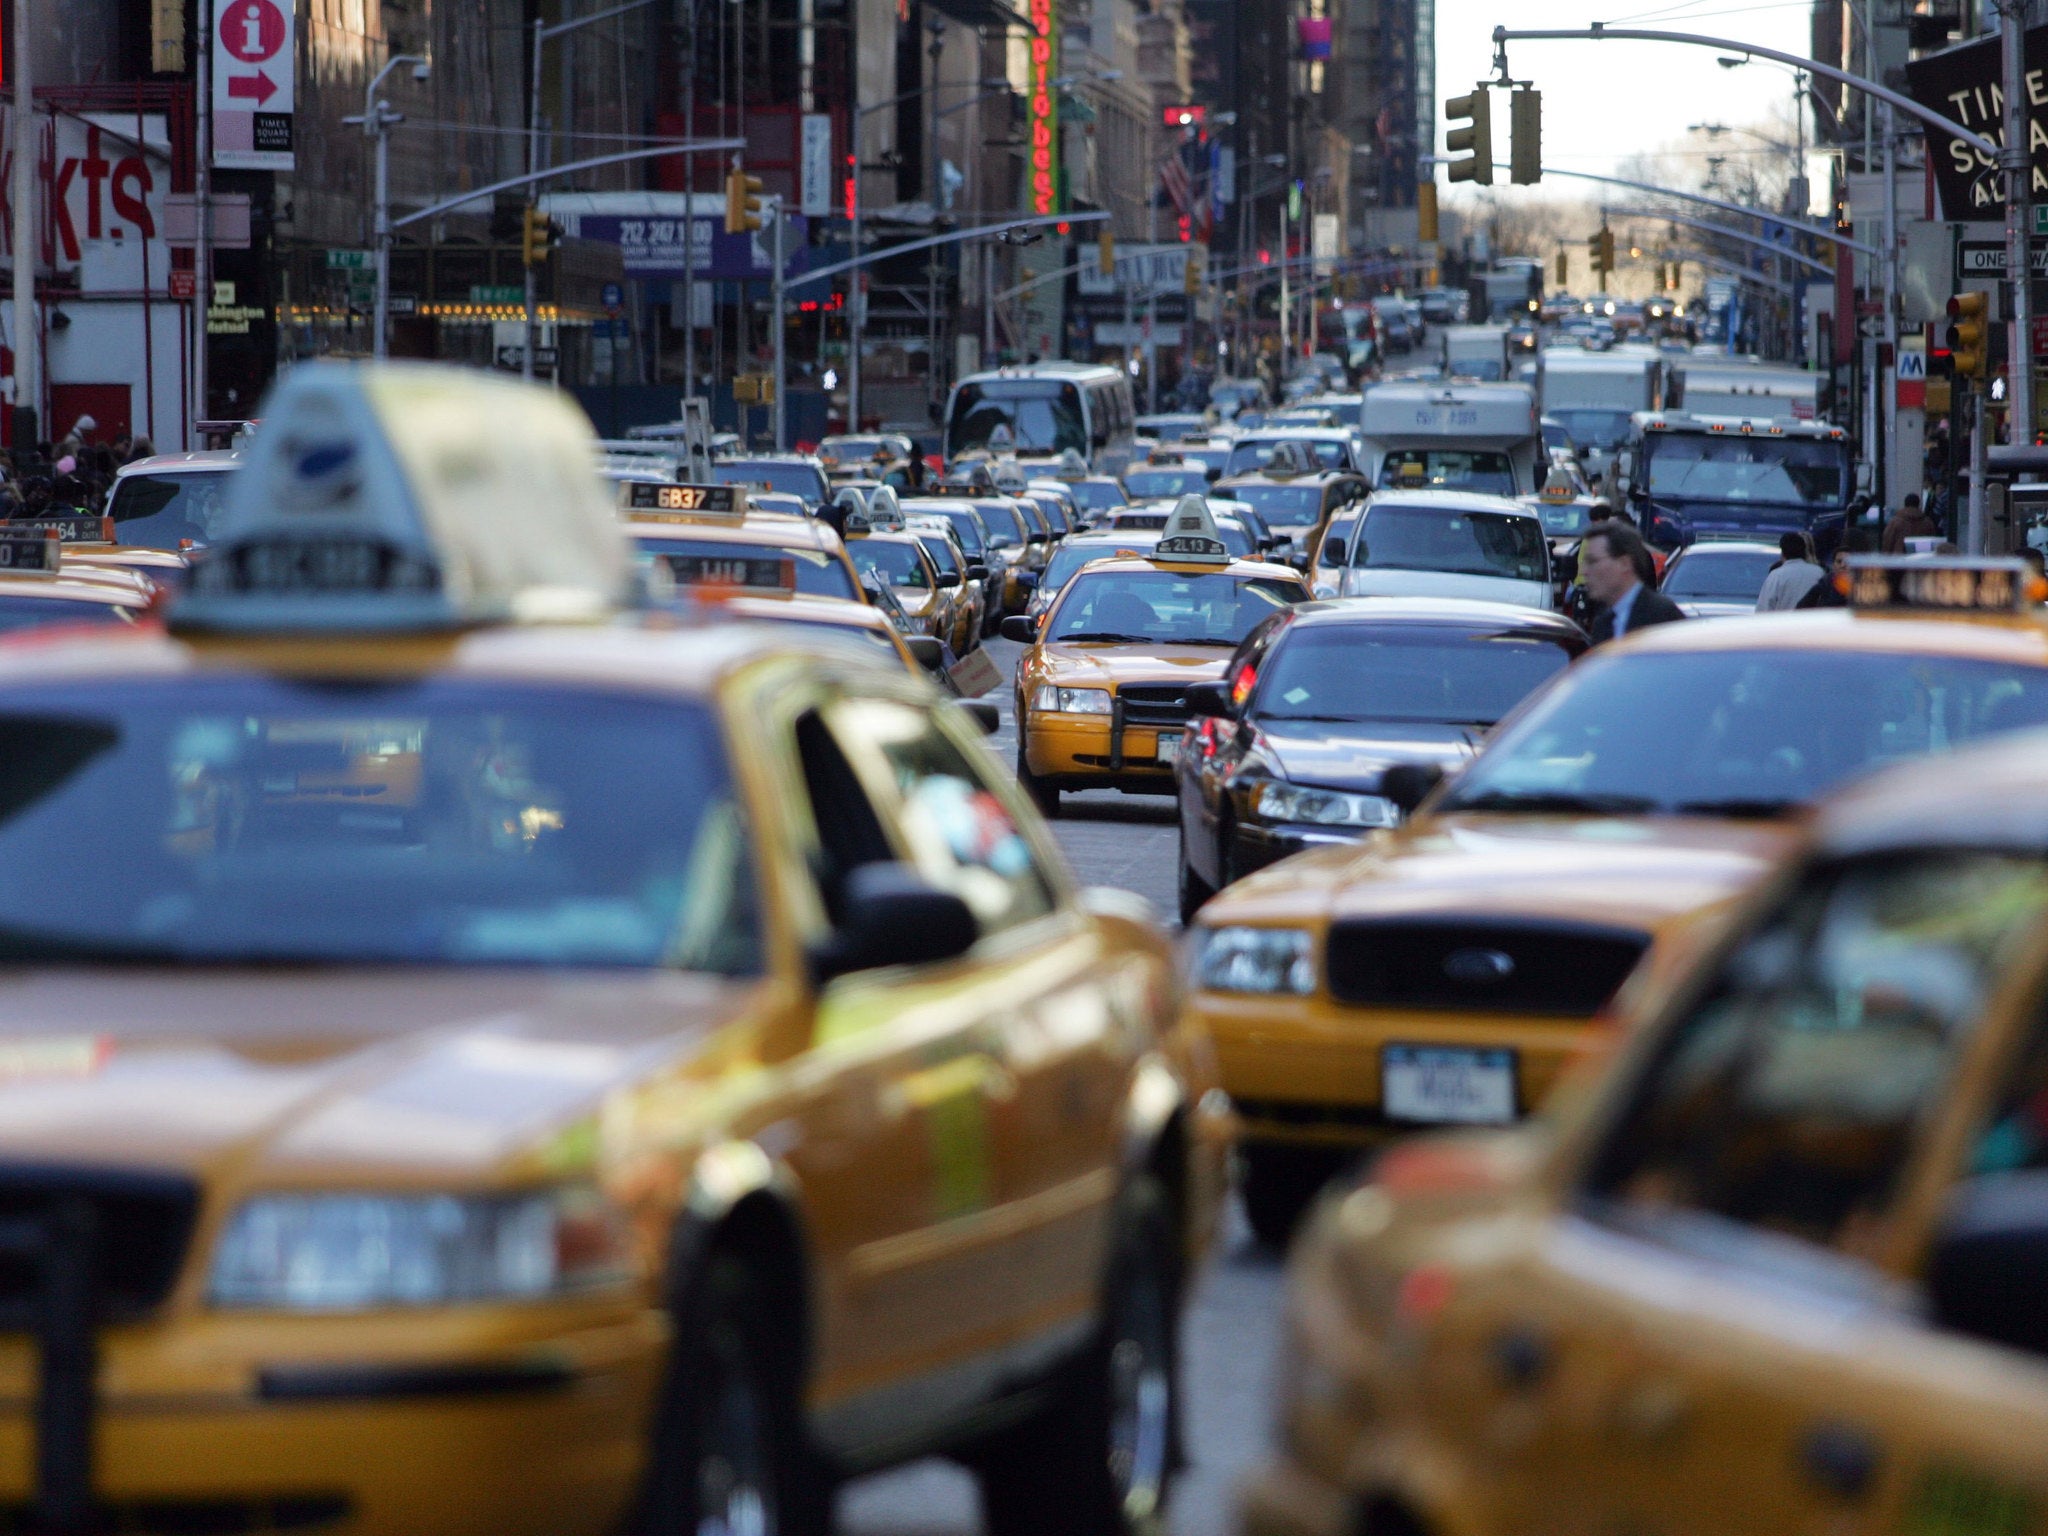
<point x="960" y="834"/>
<point x="1790" y="1097"/>
<point x="849" y="831"/>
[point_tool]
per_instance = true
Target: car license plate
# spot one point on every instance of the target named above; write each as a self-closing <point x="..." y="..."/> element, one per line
<point x="1443" y="1085"/>
<point x="1169" y="747"/>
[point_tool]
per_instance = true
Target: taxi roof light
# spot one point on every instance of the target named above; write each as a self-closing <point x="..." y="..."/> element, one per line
<point x="1191" y="536"/>
<point x="30" y="551"/>
<point x="1941" y="584"/>
<point x="406" y="497"/>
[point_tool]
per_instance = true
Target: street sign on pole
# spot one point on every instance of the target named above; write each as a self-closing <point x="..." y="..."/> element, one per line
<point x="1983" y="258"/>
<point x="254" y="81"/>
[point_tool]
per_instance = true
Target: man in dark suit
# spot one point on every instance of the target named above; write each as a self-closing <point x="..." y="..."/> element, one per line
<point x="1615" y="565"/>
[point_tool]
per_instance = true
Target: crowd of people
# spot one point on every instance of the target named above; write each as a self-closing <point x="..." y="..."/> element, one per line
<point x="72" y="475"/>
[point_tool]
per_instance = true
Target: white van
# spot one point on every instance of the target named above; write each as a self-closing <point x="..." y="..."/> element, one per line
<point x="1443" y="544"/>
<point x="1594" y="395"/>
<point x="1476" y="352"/>
<point x="1453" y="437"/>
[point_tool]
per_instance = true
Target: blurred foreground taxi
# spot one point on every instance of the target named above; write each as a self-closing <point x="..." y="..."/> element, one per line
<point x="472" y="1064"/>
<point x="1779" y="1268"/>
<point x="1446" y="972"/>
<point x="1102" y="693"/>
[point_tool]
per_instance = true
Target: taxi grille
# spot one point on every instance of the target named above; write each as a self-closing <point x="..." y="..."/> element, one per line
<point x="142" y="1225"/>
<point x="1154" y="703"/>
<point x="1566" y="969"/>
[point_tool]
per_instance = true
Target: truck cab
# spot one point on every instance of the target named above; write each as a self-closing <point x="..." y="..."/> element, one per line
<point x="1692" y="476"/>
<point x="1453" y="437"/>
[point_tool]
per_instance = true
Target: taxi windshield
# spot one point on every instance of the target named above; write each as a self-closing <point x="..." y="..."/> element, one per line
<point x="804" y="481"/>
<point x="18" y="613"/>
<point x="1739" y="732"/>
<point x="1167" y="607"/>
<point x="1153" y="484"/>
<point x="818" y="574"/>
<point x="247" y="820"/>
<point x="1283" y="506"/>
<point x="1439" y="675"/>
<point x="168" y="511"/>
<point x="1099" y="495"/>
<point x="1448" y="469"/>
<point x="941" y="551"/>
<point x="1798" y="471"/>
<point x="1595" y="429"/>
<point x="895" y="563"/>
<point x="1405" y="538"/>
<point x="1248" y="458"/>
<point x="1735" y="576"/>
<point x="1069" y="558"/>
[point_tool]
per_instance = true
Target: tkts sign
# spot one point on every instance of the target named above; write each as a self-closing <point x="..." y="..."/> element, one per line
<point x="103" y="177"/>
<point x="1045" y="106"/>
<point x="1963" y="83"/>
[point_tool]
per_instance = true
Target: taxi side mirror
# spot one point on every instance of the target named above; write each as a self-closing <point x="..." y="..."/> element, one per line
<point x="977" y="573"/>
<point x="949" y="578"/>
<point x="1027" y="580"/>
<point x="893" y="916"/>
<point x="1333" y="551"/>
<point x="1989" y="1261"/>
<point x="1409" y="784"/>
<point x="926" y="651"/>
<point x="1213" y="473"/>
<point x="1210" y="699"/>
<point x="1021" y="628"/>
<point x="984" y="714"/>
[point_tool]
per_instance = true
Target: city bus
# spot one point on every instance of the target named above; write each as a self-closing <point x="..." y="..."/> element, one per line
<point x="1041" y="410"/>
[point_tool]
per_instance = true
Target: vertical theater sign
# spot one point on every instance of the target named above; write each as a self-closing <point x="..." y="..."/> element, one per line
<point x="1044" y="106"/>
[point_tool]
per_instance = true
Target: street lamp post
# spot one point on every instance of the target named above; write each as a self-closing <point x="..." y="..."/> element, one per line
<point x="377" y="121"/>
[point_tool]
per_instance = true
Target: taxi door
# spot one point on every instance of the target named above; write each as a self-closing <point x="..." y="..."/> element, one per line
<point x="1060" y="1019"/>
<point x="1704" y="1339"/>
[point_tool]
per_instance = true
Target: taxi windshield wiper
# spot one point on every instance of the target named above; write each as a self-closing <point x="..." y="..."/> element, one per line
<point x="1542" y="800"/>
<point x="1100" y="634"/>
<point x="1761" y="809"/>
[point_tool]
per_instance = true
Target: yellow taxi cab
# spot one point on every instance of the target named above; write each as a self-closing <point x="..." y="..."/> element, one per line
<point x="1101" y="700"/>
<point x="1299" y="503"/>
<point x="40" y="589"/>
<point x="884" y="550"/>
<point x="714" y="1088"/>
<point x="1776" y="1266"/>
<point x="95" y="542"/>
<point x="1447" y="972"/>
<point x="710" y="532"/>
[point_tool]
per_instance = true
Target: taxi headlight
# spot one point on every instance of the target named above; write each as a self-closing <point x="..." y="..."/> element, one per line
<point x="1071" y="701"/>
<point x="1256" y="960"/>
<point x="1322" y="807"/>
<point x="348" y="1252"/>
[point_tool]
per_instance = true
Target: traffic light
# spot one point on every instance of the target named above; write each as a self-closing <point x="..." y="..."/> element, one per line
<point x="1476" y="111"/>
<point x="1191" y="274"/>
<point x="1525" y="136"/>
<point x="538" y="235"/>
<point x="1968" y="335"/>
<point x="1564" y="274"/>
<point x="1425" y="211"/>
<point x="1105" y="252"/>
<point x="1600" y="252"/>
<point x="742" y="202"/>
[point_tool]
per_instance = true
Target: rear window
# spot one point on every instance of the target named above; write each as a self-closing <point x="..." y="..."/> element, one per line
<point x="169" y="510"/>
<point x="1457" y="543"/>
<point x="817" y="573"/>
<point x="802" y="480"/>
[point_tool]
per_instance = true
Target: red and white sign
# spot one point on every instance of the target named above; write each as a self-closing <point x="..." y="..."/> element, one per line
<point x="253" y="80"/>
<point x="184" y="283"/>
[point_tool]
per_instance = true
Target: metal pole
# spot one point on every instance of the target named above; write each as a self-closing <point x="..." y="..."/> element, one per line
<point x="1980" y="428"/>
<point x="532" y="168"/>
<point x="380" y="345"/>
<point x="28" y="372"/>
<point x="690" y="217"/>
<point x="857" y="289"/>
<point x="202" y="244"/>
<point x="988" y="306"/>
<point x="2017" y="160"/>
<point x="776" y="319"/>
<point x="1151" y="307"/>
<point x="931" y="267"/>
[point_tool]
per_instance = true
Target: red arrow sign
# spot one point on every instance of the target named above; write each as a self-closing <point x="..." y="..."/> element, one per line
<point x="258" y="86"/>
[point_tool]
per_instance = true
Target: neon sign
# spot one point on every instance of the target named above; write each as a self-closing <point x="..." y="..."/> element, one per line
<point x="1045" y="106"/>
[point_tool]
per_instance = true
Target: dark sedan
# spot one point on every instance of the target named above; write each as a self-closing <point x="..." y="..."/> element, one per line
<point x="1321" y="700"/>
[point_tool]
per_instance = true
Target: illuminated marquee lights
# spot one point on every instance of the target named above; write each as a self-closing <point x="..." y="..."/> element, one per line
<point x="1045" y="106"/>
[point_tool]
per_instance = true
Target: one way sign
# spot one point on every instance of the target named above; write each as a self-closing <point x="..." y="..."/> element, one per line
<point x="253" y="63"/>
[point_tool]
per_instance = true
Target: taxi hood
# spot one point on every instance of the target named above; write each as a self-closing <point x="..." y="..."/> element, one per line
<point x="330" y="1075"/>
<point x="1107" y="663"/>
<point x="1353" y="754"/>
<point x="1639" y="874"/>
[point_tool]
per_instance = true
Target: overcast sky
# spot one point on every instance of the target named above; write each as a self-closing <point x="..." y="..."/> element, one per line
<point x="1604" y="101"/>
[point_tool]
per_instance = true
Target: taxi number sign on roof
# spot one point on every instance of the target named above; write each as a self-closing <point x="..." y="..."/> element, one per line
<point x="756" y="573"/>
<point x="329" y="565"/>
<point x="1947" y="585"/>
<point x="651" y="496"/>
<point x="1191" y="535"/>
<point x="84" y="528"/>
<point x="21" y="551"/>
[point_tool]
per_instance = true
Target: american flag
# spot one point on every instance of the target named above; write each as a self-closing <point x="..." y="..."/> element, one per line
<point x="1173" y="175"/>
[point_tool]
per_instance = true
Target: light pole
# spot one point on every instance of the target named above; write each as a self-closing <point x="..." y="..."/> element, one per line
<point x="543" y="34"/>
<point x="377" y="121"/>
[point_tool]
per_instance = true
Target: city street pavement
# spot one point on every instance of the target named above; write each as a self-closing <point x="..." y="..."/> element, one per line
<point x="1232" y="1325"/>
